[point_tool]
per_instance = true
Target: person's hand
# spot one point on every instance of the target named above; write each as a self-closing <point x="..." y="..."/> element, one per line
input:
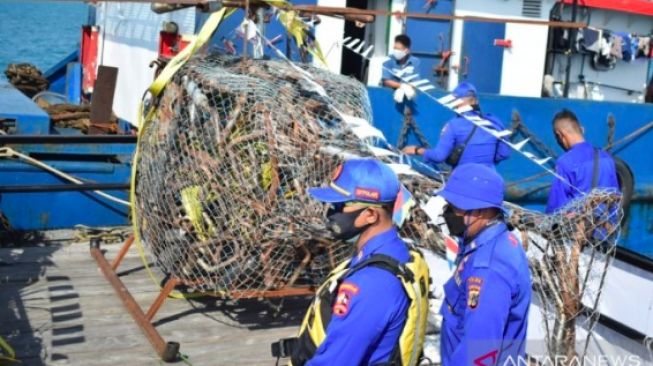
<point x="411" y="150"/>
<point x="399" y="95"/>
<point x="404" y="91"/>
<point x="409" y="91"/>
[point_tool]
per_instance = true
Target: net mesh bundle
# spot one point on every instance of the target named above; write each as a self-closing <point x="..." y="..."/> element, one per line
<point x="569" y="254"/>
<point x="223" y="170"/>
<point x="221" y="201"/>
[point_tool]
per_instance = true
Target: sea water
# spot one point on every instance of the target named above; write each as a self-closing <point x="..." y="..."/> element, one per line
<point x="39" y="32"/>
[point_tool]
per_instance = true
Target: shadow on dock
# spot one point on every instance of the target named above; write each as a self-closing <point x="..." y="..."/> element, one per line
<point x="39" y="309"/>
<point x="251" y="314"/>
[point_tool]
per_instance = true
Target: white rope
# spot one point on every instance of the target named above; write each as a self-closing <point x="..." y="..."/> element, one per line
<point x="7" y="152"/>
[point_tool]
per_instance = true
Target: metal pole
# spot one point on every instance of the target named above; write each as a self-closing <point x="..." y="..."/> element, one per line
<point x="67" y="139"/>
<point x="64" y="187"/>
<point x="258" y="49"/>
<point x="246" y="35"/>
<point x="168" y="351"/>
<point x="163" y="295"/>
<point x="324" y="10"/>
<point x="123" y="251"/>
<point x="572" y="39"/>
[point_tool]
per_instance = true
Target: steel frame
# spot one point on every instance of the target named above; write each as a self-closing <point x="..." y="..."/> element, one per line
<point x="167" y="350"/>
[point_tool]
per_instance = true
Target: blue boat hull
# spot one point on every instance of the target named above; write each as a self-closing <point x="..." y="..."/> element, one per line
<point x="40" y="211"/>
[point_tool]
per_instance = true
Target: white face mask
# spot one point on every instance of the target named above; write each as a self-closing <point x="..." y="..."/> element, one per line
<point x="398" y="54"/>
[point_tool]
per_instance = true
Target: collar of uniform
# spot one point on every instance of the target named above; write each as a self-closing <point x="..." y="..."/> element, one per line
<point x="581" y="145"/>
<point x="410" y="60"/>
<point x="485" y="235"/>
<point x="375" y="243"/>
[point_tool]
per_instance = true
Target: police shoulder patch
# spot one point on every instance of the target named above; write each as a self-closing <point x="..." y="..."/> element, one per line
<point x="444" y="129"/>
<point x="346" y="291"/>
<point x="473" y="295"/>
<point x="478" y="281"/>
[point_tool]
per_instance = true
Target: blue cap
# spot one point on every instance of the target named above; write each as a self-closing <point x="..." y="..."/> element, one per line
<point x="474" y="186"/>
<point x="360" y="180"/>
<point x="464" y="89"/>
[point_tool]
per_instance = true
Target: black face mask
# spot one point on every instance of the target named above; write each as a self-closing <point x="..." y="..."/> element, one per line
<point x="455" y="223"/>
<point x="341" y="224"/>
<point x="559" y="141"/>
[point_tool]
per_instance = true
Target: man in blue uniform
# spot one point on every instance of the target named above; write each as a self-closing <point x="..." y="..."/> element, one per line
<point x="485" y="311"/>
<point x="582" y="165"/>
<point x="399" y="67"/>
<point x="477" y="145"/>
<point x="401" y="63"/>
<point x="370" y="309"/>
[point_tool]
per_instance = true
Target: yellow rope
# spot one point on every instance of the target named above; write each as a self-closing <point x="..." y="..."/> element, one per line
<point x="289" y="20"/>
<point x="10" y="353"/>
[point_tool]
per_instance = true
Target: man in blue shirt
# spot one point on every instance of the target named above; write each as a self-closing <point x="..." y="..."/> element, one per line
<point x="479" y="146"/>
<point x="401" y="63"/>
<point x="485" y="312"/>
<point x="371" y="306"/>
<point x="399" y="68"/>
<point x="582" y="165"/>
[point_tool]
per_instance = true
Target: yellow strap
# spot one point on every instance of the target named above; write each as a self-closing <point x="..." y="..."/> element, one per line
<point x="198" y="41"/>
<point x="296" y="28"/>
<point x="10" y="353"/>
<point x="145" y="118"/>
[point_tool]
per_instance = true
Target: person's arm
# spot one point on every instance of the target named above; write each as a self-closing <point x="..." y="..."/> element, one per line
<point x="387" y="78"/>
<point x="444" y="147"/>
<point x="413" y="150"/>
<point x="485" y="318"/>
<point x="360" y="315"/>
<point x="559" y="193"/>
<point x="391" y="83"/>
<point x="503" y="151"/>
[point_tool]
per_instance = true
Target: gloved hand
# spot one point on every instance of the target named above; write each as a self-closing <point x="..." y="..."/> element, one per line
<point x="409" y="91"/>
<point x="404" y="91"/>
<point x="399" y="95"/>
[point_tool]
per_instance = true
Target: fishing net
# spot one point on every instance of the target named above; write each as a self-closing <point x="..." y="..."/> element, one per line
<point x="224" y="166"/>
<point x="569" y="254"/>
<point x="222" y="172"/>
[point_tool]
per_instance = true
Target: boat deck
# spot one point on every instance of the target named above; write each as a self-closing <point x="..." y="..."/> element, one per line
<point x="56" y="308"/>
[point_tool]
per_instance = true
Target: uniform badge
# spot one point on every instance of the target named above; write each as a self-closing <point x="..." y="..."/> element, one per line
<point x="346" y="292"/>
<point x="473" y="294"/>
<point x="367" y="194"/>
<point x="513" y="240"/>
